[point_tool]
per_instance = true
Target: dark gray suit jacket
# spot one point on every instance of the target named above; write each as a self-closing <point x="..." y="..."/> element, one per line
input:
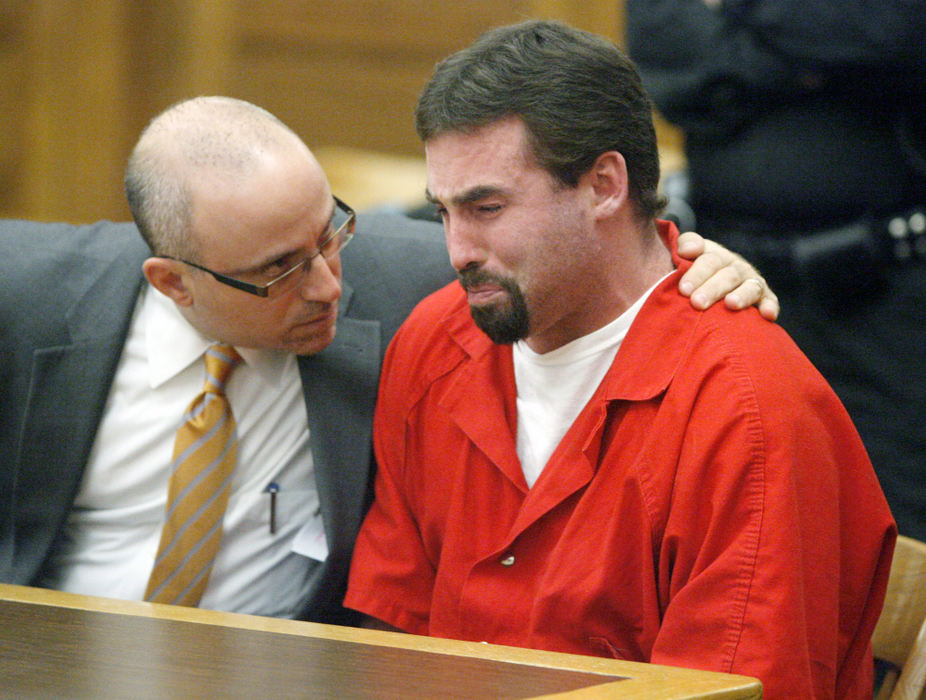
<point x="66" y="298"/>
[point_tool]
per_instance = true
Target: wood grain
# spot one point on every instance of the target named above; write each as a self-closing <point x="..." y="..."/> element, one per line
<point x="56" y="644"/>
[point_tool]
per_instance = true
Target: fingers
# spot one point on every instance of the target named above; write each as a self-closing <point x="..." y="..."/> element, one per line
<point x="754" y="291"/>
<point x="717" y="273"/>
<point x="708" y="258"/>
<point x="690" y="245"/>
<point x="769" y="307"/>
<point x="709" y="281"/>
<point x="746" y="294"/>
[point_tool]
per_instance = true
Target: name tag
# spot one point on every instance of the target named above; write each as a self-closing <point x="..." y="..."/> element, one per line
<point x="310" y="540"/>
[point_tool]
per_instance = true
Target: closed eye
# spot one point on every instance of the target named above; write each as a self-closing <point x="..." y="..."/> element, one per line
<point x="278" y="266"/>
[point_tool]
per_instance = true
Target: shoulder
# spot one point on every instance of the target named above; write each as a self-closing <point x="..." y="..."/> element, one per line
<point x="763" y="349"/>
<point x="58" y="257"/>
<point x="60" y="283"/>
<point x="33" y="244"/>
<point x="441" y="320"/>
<point x="693" y="353"/>
<point x="395" y="226"/>
<point x="752" y="368"/>
<point x="440" y="313"/>
<point x="97" y="235"/>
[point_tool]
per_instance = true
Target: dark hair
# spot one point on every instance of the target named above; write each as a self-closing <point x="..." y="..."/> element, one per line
<point x="578" y="94"/>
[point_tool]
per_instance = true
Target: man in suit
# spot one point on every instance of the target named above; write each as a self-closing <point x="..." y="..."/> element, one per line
<point x="102" y="340"/>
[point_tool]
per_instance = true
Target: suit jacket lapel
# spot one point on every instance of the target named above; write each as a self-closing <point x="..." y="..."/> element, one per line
<point x="69" y="385"/>
<point x="340" y="393"/>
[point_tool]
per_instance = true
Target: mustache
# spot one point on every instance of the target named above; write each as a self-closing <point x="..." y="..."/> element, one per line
<point x="474" y="277"/>
<point x="315" y="310"/>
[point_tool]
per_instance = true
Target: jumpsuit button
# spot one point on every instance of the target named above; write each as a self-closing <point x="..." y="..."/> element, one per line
<point x="507" y="561"/>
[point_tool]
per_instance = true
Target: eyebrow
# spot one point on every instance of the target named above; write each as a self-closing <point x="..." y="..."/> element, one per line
<point x="270" y="259"/>
<point x="474" y="194"/>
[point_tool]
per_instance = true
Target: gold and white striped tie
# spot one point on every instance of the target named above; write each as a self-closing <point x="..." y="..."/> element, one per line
<point x="200" y="482"/>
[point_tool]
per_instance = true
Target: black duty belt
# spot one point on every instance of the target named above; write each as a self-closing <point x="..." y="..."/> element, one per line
<point x="838" y="262"/>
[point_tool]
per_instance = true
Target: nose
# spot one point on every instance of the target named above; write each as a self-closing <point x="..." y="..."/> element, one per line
<point x="321" y="280"/>
<point x="462" y="244"/>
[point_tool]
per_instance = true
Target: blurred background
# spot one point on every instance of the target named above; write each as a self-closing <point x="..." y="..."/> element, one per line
<point x="79" y="79"/>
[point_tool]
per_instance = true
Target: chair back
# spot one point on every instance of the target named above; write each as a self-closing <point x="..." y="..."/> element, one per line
<point x="900" y="635"/>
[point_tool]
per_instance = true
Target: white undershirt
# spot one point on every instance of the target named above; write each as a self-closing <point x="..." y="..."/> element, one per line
<point x="113" y="530"/>
<point x="554" y="387"/>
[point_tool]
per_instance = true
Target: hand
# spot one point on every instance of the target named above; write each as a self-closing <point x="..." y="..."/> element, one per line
<point x="717" y="272"/>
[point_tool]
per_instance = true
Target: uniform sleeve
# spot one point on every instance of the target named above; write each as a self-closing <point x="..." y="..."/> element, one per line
<point x="391" y="577"/>
<point x="777" y="549"/>
<point x="701" y="71"/>
<point x="712" y="70"/>
<point x="851" y="32"/>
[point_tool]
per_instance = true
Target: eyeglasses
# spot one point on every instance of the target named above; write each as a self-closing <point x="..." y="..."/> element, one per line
<point x="332" y="244"/>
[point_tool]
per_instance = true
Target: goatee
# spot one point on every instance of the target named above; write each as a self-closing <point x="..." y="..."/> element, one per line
<point x="504" y="322"/>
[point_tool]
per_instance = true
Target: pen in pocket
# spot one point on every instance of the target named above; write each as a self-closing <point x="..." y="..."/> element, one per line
<point x="273" y="488"/>
<point x="276" y="500"/>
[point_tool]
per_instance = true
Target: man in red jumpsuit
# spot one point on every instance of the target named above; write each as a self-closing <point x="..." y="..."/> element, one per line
<point x="570" y="456"/>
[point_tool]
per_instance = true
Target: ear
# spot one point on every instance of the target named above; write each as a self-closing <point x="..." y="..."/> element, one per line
<point x="167" y="277"/>
<point x="609" y="185"/>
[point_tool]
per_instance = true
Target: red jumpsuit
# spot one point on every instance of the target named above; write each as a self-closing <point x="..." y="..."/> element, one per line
<point x="711" y="507"/>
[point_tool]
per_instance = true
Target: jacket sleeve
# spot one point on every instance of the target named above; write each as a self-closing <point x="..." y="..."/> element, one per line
<point x="391" y="577"/>
<point x="776" y="552"/>
<point x="709" y="70"/>
<point x="851" y="32"/>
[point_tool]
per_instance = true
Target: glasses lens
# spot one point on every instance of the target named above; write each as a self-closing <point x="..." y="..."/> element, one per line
<point x="290" y="281"/>
<point x="345" y="221"/>
<point x="341" y="236"/>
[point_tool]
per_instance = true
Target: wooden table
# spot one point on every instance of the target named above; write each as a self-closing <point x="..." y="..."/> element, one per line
<point x="60" y="645"/>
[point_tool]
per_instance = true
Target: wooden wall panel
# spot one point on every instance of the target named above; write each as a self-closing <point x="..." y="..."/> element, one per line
<point x="79" y="80"/>
<point x="72" y="102"/>
<point x="12" y="92"/>
<point x="605" y="18"/>
<point x="411" y="27"/>
<point x="349" y="73"/>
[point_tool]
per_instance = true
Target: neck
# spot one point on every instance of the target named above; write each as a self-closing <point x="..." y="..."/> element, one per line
<point x="635" y="260"/>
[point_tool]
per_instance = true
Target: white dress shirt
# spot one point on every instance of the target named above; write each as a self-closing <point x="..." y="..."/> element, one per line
<point x="113" y="530"/>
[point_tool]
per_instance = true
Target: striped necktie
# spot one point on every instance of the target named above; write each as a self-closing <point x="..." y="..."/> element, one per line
<point x="200" y="481"/>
